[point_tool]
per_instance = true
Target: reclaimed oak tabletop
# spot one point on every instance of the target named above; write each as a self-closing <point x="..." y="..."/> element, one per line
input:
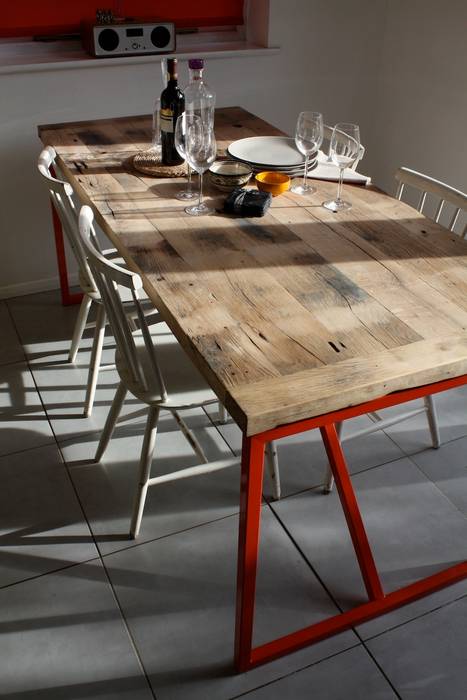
<point x="288" y="316"/>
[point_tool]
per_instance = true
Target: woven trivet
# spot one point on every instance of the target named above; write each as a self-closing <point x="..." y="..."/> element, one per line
<point x="149" y="163"/>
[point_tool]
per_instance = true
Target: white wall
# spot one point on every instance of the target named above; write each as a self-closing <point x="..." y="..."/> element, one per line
<point x="337" y="56"/>
<point x="420" y="97"/>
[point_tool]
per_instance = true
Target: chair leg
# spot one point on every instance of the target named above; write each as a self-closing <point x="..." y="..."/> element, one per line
<point x="109" y="426"/>
<point x="433" y="421"/>
<point x="190" y="437"/>
<point x="96" y="355"/>
<point x="329" y="481"/>
<point x="222" y="415"/>
<point x="79" y="327"/>
<point x="273" y="468"/>
<point x="147" y="451"/>
<point x="375" y="416"/>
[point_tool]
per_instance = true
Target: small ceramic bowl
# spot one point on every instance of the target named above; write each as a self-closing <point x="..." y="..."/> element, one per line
<point x="275" y="183"/>
<point x="226" y="175"/>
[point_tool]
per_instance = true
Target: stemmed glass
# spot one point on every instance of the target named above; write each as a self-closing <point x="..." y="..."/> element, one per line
<point x="184" y="122"/>
<point x="156" y="143"/>
<point x="201" y="151"/>
<point x="344" y="150"/>
<point x="308" y="139"/>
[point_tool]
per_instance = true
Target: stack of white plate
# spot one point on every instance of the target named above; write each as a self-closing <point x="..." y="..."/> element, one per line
<point x="276" y="153"/>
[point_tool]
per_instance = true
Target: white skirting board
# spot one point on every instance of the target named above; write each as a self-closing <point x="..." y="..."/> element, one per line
<point x="44" y="285"/>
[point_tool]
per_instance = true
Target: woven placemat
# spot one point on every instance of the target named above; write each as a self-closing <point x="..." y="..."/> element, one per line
<point x="149" y="163"/>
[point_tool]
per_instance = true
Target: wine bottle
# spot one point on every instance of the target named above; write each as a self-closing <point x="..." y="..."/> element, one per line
<point x="172" y="105"/>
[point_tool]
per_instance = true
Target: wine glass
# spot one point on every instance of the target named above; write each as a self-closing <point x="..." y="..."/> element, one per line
<point x="184" y="121"/>
<point x="308" y="139"/>
<point x="164" y="71"/>
<point x="156" y="143"/>
<point x="344" y="150"/>
<point x="201" y="151"/>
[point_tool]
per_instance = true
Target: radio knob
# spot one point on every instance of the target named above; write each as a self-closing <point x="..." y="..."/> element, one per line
<point x="108" y="40"/>
<point x="135" y="45"/>
<point x="160" y="37"/>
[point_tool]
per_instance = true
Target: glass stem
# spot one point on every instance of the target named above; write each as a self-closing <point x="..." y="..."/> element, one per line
<point x="305" y="174"/>
<point x="339" y="186"/>
<point x="200" y="189"/>
<point x="189" y="179"/>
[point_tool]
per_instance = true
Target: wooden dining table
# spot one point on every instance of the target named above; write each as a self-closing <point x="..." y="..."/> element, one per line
<point x="299" y="319"/>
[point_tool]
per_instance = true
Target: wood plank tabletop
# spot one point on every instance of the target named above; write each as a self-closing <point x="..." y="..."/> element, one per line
<point x="291" y="315"/>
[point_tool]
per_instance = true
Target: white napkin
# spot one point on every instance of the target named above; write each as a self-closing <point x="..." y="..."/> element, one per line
<point x="326" y="170"/>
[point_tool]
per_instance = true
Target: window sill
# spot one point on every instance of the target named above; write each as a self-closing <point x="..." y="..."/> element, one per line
<point x="25" y="56"/>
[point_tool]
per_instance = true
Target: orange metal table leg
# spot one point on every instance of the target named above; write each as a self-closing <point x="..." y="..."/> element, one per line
<point x="67" y="297"/>
<point x="379" y="603"/>
<point x="351" y="512"/>
<point x="248" y="542"/>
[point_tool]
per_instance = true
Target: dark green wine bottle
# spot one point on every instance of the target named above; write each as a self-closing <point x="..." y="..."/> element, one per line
<point x="172" y="105"/>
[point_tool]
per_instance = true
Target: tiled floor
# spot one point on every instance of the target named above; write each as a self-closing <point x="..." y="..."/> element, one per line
<point x="87" y="613"/>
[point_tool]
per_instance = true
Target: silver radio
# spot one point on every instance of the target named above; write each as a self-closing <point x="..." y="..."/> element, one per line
<point x="126" y="39"/>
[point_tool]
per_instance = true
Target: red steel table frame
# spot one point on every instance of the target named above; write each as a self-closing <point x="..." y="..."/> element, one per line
<point x="246" y="656"/>
<point x="68" y="299"/>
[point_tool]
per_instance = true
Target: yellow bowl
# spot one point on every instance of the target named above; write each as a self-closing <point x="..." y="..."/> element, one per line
<point x="275" y="183"/>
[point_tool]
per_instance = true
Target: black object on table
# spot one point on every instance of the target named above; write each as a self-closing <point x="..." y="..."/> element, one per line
<point x="247" y="203"/>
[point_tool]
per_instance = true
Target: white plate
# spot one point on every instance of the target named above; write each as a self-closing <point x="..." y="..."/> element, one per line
<point x="283" y="168"/>
<point x="279" y="169"/>
<point x="267" y="151"/>
<point x="291" y="173"/>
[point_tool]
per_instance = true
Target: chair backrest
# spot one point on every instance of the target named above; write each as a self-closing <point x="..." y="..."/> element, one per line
<point x="327" y="132"/>
<point x="61" y="194"/>
<point x="442" y="192"/>
<point x="108" y="277"/>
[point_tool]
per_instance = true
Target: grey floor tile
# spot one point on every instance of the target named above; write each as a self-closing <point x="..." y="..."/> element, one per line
<point x="302" y="458"/>
<point x="413" y="435"/>
<point x="44" y="325"/>
<point x="447" y="467"/>
<point x="62" y="637"/>
<point x="350" y="675"/>
<point x="178" y="597"/>
<point x="426" y="659"/>
<point x="62" y="388"/>
<point x="46" y="328"/>
<point x="107" y="489"/>
<point x="23" y="423"/>
<point x="413" y="529"/>
<point x="42" y="527"/>
<point x="11" y="349"/>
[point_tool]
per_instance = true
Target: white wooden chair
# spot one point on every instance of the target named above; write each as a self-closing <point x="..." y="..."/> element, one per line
<point x="445" y="197"/>
<point x="61" y="194"/>
<point x="155" y="370"/>
<point x="444" y="194"/>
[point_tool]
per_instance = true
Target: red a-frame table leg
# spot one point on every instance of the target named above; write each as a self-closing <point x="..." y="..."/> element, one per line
<point x="379" y="603"/>
<point x="67" y="297"/>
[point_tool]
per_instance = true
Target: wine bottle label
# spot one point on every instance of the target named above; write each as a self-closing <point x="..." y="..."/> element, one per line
<point x="167" y="121"/>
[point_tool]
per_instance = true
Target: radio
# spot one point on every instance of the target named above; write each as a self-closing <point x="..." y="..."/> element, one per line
<point x="126" y="39"/>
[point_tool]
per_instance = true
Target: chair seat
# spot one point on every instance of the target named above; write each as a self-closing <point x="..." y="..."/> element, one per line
<point x="185" y="385"/>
